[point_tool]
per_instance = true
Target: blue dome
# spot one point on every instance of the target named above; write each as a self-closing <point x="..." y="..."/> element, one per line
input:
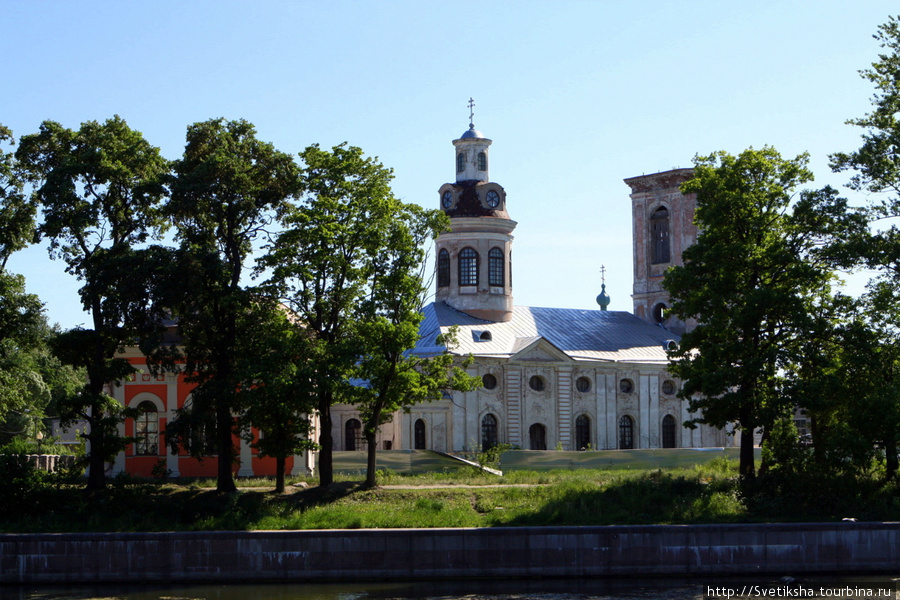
<point x="471" y="133"/>
<point x="603" y="299"/>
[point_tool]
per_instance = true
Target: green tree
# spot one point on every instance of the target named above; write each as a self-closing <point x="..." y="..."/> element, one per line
<point x="276" y="371"/>
<point x="877" y="161"/>
<point x="322" y="263"/>
<point x="17" y="210"/>
<point x="388" y="330"/>
<point x="229" y="187"/>
<point x="100" y="189"/>
<point x="749" y="281"/>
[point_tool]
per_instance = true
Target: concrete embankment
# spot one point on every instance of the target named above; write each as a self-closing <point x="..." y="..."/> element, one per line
<point x="835" y="548"/>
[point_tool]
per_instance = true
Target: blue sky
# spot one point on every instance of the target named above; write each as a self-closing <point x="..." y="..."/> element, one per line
<point x="576" y="95"/>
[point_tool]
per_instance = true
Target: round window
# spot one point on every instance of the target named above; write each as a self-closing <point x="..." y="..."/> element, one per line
<point x="536" y="383"/>
<point x="488" y="381"/>
<point x="583" y="384"/>
<point x="626" y="386"/>
<point x="668" y="387"/>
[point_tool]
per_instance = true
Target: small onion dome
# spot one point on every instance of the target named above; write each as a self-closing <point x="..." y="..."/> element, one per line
<point x="603" y="298"/>
<point x="471" y="133"/>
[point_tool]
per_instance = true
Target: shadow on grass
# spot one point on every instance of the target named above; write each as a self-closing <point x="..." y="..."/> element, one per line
<point x="651" y="498"/>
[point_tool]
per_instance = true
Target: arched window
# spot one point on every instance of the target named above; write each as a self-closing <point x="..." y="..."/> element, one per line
<point x="489" y="437"/>
<point x="146" y="430"/>
<point x="626" y="433"/>
<point x="468" y="267"/>
<point x="659" y="236"/>
<point x="495" y="267"/>
<point x="460" y="162"/>
<point x="353" y="439"/>
<point x="668" y="432"/>
<point x="659" y="312"/>
<point x="443" y="268"/>
<point x="582" y="432"/>
<point x="419" y="434"/>
<point x="482" y="161"/>
<point x="537" y="437"/>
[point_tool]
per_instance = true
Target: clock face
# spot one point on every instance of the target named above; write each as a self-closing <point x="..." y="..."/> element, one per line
<point x="493" y="199"/>
<point x="447" y="199"/>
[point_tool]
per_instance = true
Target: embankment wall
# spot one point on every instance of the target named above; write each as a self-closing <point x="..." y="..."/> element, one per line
<point x="845" y="547"/>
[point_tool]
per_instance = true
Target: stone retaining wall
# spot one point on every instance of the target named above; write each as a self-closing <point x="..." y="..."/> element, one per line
<point x="851" y="548"/>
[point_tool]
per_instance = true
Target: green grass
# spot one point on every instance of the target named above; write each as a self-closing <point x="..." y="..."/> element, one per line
<point x="467" y="498"/>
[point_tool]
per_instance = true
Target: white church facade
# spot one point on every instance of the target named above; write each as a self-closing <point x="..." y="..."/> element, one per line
<point x="552" y="378"/>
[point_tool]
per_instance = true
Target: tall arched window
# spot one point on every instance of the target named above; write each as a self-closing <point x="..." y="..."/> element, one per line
<point x="668" y="432"/>
<point x="146" y="430"/>
<point x="353" y="439"/>
<point x="419" y="434"/>
<point x="443" y="268"/>
<point x="460" y="162"/>
<point x="482" y="161"/>
<point x="495" y="267"/>
<point x="489" y="437"/>
<point x="537" y="437"/>
<point x="582" y="432"/>
<point x="468" y="267"/>
<point x="659" y="236"/>
<point x="626" y="433"/>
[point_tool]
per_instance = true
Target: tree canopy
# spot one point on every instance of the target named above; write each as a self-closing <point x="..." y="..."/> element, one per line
<point x="228" y="188"/>
<point x="749" y="280"/>
<point x="100" y="189"/>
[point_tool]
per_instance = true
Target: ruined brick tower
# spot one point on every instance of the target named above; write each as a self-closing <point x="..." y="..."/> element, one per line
<point x="662" y="227"/>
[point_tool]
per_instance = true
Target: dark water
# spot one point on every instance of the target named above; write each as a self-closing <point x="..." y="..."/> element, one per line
<point x="462" y="589"/>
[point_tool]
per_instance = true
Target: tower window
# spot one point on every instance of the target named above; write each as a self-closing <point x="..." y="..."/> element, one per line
<point x="443" y="268"/>
<point x="460" y="162"/>
<point x="659" y="313"/>
<point x="659" y="236"/>
<point x="495" y="267"/>
<point x="468" y="267"/>
<point x="482" y="161"/>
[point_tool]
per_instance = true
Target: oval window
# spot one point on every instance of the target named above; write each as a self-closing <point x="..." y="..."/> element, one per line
<point x="488" y="381"/>
<point x="536" y="383"/>
<point x="626" y="386"/>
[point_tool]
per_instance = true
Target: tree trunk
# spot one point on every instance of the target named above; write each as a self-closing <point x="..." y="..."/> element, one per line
<point x="890" y="456"/>
<point x="326" y="465"/>
<point x="279" y="475"/>
<point x="96" y="465"/>
<point x="371" y="452"/>
<point x="225" y="476"/>
<point x="747" y="467"/>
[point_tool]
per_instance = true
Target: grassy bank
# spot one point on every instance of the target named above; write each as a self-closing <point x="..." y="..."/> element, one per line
<point x="709" y="494"/>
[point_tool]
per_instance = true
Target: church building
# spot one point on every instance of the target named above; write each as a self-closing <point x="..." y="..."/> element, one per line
<point x="552" y="378"/>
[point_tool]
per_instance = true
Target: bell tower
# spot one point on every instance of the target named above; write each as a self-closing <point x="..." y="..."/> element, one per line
<point x="662" y="227"/>
<point x="474" y="258"/>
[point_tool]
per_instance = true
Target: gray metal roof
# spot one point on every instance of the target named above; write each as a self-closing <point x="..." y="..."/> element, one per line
<point x="583" y="335"/>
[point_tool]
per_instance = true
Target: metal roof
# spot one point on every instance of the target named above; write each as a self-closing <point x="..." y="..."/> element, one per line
<point x="583" y="335"/>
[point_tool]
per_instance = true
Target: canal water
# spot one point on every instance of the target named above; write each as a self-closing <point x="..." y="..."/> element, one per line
<point x="461" y="589"/>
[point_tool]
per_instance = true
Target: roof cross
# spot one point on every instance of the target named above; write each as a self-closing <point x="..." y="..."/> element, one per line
<point x="471" y="113"/>
<point x="602" y="273"/>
